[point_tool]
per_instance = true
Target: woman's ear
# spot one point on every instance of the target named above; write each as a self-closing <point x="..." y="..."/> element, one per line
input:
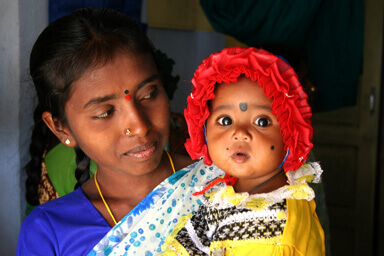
<point x="61" y="132"/>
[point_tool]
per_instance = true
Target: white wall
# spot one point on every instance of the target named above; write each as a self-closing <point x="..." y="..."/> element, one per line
<point x="9" y="125"/>
<point x="20" y="22"/>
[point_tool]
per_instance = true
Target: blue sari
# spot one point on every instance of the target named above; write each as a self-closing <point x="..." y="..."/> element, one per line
<point x="143" y="230"/>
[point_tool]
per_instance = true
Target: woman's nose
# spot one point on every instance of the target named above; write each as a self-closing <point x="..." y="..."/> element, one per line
<point x="137" y="123"/>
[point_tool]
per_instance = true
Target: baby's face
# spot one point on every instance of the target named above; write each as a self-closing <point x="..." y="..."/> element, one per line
<point x="243" y="135"/>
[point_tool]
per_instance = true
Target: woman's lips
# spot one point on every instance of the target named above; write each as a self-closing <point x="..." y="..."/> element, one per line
<point x="240" y="156"/>
<point x="142" y="151"/>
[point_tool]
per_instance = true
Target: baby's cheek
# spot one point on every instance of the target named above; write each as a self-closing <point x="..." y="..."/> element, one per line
<point x="277" y="151"/>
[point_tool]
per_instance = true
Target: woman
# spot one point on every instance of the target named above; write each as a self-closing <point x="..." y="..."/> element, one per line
<point x="100" y="91"/>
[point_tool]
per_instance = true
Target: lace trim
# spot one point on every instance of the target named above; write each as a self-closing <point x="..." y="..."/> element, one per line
<point x="222" y="196"/>
<point x="309" y="172"/>
<point x="220" y="245"/>
<point x="265" y="214"/>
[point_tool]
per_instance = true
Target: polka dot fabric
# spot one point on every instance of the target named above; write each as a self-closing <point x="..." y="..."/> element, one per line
<point x="145" y="228"/>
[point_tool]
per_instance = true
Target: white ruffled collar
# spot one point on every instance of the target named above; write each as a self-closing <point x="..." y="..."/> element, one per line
<point x="223" y="196"/>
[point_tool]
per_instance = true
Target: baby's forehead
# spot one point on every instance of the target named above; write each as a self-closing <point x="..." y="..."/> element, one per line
<point x="241" y="89"/>
<point x="241" y="81"/>
<point x="241" y="96"/>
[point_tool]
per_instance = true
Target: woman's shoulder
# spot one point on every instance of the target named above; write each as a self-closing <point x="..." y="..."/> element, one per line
<point x="71" y="200"/>
<point x="70" y="211"/>
<point x="61" y="208"/>
<point x="55" y="225"/>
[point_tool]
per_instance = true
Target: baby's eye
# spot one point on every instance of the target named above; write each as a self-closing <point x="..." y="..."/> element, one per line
<point x="225" y="121"/>
<point x="106" y="114"/>
<point x="263" y="121"/>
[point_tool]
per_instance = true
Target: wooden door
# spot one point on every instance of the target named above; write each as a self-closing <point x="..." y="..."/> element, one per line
<point x="346" y="142"/>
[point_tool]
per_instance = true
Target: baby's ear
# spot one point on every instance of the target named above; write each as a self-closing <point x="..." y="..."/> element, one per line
<point x="61" y="131"/>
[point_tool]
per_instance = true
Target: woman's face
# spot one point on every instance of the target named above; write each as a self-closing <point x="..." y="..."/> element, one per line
<point x="126" y="93"/>
<point x="243" y="136"/>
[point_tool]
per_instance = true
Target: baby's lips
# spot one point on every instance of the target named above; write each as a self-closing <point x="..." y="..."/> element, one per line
<point x="240" y="158"/>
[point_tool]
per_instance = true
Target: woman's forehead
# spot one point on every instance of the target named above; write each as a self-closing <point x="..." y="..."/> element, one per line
<point x="123" y="73"/>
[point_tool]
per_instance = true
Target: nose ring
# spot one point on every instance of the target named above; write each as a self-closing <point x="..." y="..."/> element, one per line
<point x="127" y="132"/>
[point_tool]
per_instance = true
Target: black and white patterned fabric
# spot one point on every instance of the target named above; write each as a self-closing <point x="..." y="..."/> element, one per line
<point x="208" y="225"/>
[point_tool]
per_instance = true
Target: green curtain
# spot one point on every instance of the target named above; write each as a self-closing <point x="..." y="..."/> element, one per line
<point x="327" y="34"/>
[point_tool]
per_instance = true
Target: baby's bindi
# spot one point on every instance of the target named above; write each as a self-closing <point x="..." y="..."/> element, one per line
<point x="243" y="106"/>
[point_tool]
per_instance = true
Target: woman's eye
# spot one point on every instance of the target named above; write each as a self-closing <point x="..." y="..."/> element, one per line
<point x="262" y="121"/>
<point x="152" y="94"/>
<point x="224" y="121"/>
<point x="105" y="114"/>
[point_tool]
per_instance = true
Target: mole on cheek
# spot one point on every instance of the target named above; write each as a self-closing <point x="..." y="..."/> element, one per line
<point x="272" y="147"/>
<point x="227" y="148"/>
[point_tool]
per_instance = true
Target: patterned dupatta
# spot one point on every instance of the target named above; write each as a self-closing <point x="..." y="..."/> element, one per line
<point x="143" y="230"/>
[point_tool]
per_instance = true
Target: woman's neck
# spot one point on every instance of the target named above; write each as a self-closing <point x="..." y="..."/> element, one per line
<point x="123" y="192"/>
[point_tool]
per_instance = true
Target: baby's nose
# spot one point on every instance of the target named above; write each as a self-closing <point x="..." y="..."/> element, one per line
<point x="242" y="134"/>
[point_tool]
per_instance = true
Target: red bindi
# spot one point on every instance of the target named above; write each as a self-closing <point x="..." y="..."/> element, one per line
<point x="127" y="95"/>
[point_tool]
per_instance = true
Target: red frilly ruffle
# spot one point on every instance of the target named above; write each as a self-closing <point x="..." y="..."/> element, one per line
<point x="279" y="81"/>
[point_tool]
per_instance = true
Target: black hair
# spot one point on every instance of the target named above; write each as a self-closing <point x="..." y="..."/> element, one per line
<point x="64" y="51"/>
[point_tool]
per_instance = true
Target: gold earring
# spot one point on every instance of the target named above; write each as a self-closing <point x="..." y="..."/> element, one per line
<point x="127" y="132"/>
<point x="67" y="141"/>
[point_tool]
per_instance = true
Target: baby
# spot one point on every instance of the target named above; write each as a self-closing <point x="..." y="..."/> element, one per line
<point x="248" y="115"/>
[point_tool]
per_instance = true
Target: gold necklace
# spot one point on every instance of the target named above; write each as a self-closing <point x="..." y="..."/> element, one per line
<point x="102" y="198"/>
<point x="105" y="202"/>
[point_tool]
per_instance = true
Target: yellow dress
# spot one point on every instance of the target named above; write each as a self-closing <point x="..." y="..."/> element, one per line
<point x="282" y="222"/>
